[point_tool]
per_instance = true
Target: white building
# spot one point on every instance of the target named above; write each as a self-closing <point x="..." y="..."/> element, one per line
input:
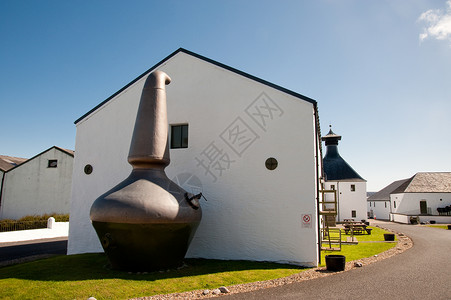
<point x="250" y="146"/>
<point x="340" y="176"/>
<point x="421" y="196"/>
<point x="378" y="204"/>
<point x="37" y="186"/>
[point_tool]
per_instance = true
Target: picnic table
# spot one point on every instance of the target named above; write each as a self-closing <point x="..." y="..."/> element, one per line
<point x="356" y="228"/>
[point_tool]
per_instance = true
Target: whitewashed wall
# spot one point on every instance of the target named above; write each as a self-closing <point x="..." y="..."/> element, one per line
<point x="348" y="200"/>
<point x="409" y="203"/>
<point x="34" y="189"/>
<point x="379" y="209"/>
<point x="1" y="178"/>
<point x="398" y="218"/>
<point x="252" y="213"/>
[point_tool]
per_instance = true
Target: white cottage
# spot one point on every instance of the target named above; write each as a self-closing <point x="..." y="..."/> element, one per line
<point x="378" y="204"/>
<point x="340" y="176"/>
<point x="423" y="197"/>
<point x="251" y="147"/>
<point x="37" y="186"/>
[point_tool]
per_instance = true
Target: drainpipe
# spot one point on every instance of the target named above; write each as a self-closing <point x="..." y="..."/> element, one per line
<point x="1" y="193"/>
<point x="318" y="157"/>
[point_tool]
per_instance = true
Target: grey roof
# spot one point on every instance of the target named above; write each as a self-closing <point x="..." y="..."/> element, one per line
<point x="426" y="182"/>
<point x="9" y="162"/>
<point x="384" y="194"/>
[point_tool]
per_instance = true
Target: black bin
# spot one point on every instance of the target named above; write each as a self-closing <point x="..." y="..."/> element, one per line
<point x="335" y="262"/>
<point x="389" y="236"/>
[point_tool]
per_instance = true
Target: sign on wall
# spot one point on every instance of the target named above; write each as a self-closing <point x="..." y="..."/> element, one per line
<point x="306" y="220"/>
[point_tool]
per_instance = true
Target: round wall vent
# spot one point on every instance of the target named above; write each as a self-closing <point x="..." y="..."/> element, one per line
<point x="271" y="163"/>
<point x="88" y="169"/>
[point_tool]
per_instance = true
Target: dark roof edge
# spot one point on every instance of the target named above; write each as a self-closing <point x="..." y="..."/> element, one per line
<point x="58" y="148"/>
<point x="403" y="186"/>
<point x="287" y="91"/>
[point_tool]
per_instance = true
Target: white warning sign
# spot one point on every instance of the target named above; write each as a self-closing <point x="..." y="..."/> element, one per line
<point x="306" y="220"/>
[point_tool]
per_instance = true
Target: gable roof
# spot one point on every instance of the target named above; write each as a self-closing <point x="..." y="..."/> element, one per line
<point x="9" y="162"/>
<point x="426" y="182"/>
<point x="384" y="194"/>
<point x="68" y="152"/>
<point x="209" y="61"/>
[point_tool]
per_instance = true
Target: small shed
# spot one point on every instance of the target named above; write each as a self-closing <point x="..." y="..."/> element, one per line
<point x="37" y="186"/>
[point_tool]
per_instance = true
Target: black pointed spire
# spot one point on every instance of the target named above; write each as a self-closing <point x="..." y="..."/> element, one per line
<point x="331" y="138"/>
<point x="335" y="167"/>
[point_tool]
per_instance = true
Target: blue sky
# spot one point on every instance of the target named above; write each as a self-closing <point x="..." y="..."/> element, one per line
<point x="380" y="70"/>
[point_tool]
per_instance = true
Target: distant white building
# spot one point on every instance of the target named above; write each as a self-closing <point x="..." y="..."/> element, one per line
<point x="250" y="146"/>
<point x="340" y="176"/>
<point x="422" y="196"/>
<point x="378" y="204"/>
<point x="37" y="186"/>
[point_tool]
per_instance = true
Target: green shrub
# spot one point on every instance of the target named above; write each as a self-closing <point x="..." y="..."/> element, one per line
<point x="31" y="222"/>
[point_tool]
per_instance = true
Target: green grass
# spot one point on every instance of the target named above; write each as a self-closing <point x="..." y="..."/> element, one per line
<point x="364" y="248"/>
<point x="85" y="275"/>
<point x="377" y="234"/>
<point x="441" y="226"/>
<point x="354" y="252"/>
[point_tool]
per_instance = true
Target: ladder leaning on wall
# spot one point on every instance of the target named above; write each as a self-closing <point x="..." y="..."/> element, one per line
<point x="330" y="237"/>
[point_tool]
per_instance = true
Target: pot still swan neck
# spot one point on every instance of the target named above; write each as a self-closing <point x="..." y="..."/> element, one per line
<point x="149" y="146"/>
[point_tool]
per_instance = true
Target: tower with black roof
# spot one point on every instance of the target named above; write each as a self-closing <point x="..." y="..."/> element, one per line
<point x="340" y="176"/>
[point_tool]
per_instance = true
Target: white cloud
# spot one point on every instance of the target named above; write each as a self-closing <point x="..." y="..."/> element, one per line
<point x="438" y="23"/>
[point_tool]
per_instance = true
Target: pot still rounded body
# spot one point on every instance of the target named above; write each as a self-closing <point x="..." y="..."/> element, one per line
<point x="147" y="221"/>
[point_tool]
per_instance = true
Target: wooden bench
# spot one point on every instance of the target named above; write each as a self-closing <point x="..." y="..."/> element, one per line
<point x="357" y="229"/>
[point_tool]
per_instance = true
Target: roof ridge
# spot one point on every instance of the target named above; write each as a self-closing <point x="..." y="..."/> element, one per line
<point x="252" y="77"/>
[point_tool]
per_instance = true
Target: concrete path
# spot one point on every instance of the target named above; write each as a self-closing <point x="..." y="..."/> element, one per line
<point x="59" y="231"/>
<point x="27" y="245"/>
<point x="422" y="272"/>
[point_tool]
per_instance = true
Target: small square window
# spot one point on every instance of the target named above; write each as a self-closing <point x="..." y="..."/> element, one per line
<point x="332" y="187"/>
<point x="179" y="136"/>
<point x="354" y="214"/>
<point x="352" y="187"/>
<point x="53" y="163"/>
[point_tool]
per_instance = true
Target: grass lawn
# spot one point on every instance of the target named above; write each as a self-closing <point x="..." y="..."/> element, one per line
<point x="377" y="234"/>
<point x="85" y="275"/>
<point x="441" y="226"/>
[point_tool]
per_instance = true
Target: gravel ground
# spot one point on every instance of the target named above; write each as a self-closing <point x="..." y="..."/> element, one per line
<point x="404" y="243"/>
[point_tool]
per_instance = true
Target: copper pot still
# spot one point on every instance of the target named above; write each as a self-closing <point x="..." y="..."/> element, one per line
<point x="147" y="221"/>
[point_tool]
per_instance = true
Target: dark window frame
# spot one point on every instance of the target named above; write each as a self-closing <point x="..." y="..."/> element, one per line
<point x="52" y="163"/>
<point x="179" y="136"/>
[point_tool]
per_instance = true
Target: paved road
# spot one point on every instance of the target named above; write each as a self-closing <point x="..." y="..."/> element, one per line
<point x="13" y="251"/>
<point x="422" y="272"/>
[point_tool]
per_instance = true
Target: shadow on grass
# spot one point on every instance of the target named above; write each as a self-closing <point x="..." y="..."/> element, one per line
<point x="95" y="266"/>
